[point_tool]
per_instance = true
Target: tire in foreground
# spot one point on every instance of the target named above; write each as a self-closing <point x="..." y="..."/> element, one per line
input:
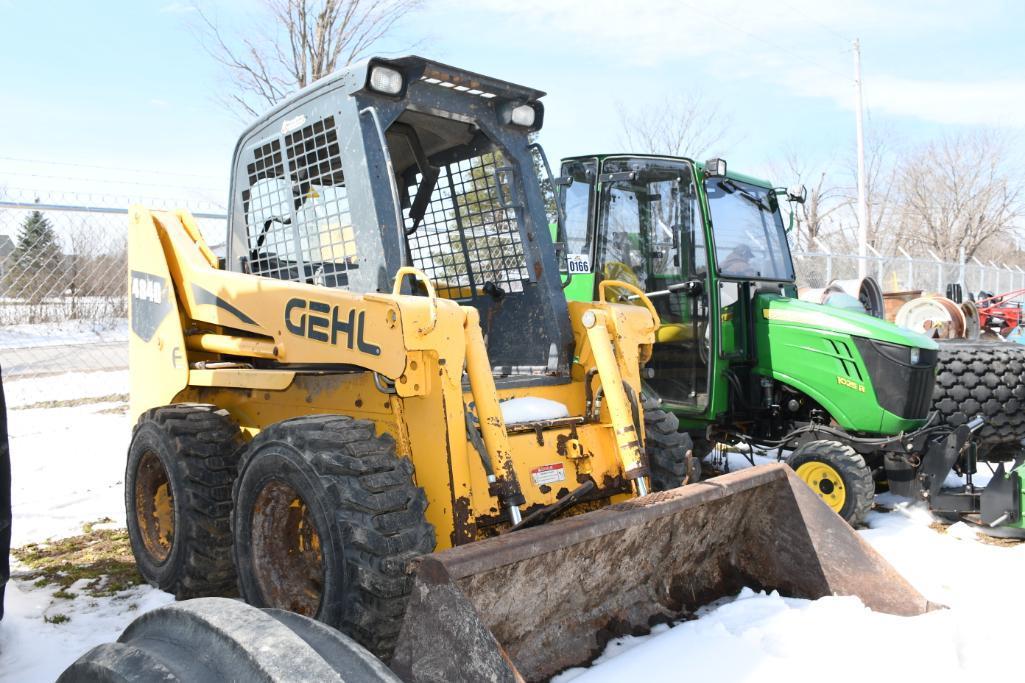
<point x="218" y="639"/>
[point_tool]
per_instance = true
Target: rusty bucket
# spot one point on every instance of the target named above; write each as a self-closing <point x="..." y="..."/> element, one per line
<point x="527" y="605"/>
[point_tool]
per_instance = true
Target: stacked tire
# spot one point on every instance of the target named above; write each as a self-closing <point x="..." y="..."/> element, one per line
<point x="988" y="379"/>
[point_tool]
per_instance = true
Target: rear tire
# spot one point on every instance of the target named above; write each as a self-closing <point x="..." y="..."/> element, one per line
<point x="326" y="521"/>
<point x="983" y="378"/>
<point x="215" y="639"/>
<point x="181" y="467"/>
<point x="670" y="452"/>
<point x="838" y="475"/>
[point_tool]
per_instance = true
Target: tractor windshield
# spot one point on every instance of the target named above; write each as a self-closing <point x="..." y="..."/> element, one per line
<point x="750" y="241"/>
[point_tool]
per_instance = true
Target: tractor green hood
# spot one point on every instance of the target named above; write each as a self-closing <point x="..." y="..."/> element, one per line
<point x="796" y="313"/>
<point x="865" y="372"/>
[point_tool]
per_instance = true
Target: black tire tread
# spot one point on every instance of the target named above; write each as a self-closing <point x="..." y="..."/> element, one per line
<point x="207" y="441"/>
<point x="669" y="450"/>
<point x="378" y="508"/>
<point x="852" y="469"/>
<point x="983" y="378"/>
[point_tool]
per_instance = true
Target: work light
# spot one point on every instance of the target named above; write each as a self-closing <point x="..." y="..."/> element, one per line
<point x="385" y="80"/>
<point x="522" y="115"/>
<point x="715" y="168"/>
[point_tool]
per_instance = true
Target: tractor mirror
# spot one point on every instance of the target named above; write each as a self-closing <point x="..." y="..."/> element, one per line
<point x="797" y="193"/>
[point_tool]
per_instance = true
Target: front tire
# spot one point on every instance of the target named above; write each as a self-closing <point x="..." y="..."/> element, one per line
<point x="838" y="475"/>
<point x="181" y="467"/>
<point x="326" y="521"/>
<point x="670" y="452"/>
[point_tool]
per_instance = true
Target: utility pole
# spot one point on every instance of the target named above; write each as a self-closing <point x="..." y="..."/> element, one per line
<point x="862" y="192"/>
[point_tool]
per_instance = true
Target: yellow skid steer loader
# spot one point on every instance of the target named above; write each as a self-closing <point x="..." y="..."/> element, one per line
<point x="378" y="410"/>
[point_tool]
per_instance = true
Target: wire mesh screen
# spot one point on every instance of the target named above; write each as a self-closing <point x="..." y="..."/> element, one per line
<point x="297" y="209"/>
<point x="468" y="239"/>
<point x="63" y="279"/>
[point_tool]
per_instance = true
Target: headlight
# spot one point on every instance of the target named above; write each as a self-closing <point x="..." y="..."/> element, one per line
<point x="523" y="115"/>
<point x="385" y="80"/>
<point x="915" y="355"/>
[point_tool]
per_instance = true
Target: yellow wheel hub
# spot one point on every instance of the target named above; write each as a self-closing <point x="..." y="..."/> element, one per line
<point x="154" y="507"/>
<point x="825" y="481"/>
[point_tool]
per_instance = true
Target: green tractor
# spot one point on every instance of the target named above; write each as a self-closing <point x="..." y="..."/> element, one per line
<point x="740" y="361"/>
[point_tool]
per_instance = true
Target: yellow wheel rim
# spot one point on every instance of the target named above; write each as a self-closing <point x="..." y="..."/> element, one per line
<point x="825" y="481"/>
<point x="154" y="507"/>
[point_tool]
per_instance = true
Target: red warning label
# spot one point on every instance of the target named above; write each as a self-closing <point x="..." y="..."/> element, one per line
<point x="548" y="474"/>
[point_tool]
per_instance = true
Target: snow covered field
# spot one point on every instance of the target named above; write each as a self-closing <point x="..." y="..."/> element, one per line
<point x="68" y="465"/>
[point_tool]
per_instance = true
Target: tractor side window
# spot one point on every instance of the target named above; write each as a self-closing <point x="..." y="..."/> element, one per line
<point x="297" y="209"/>
<point x="579" y="203"/>
<point x="622" y="246"/>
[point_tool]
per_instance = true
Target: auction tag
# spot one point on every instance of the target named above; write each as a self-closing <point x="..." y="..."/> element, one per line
<point x="578" y="263"/>
<point x="548" y="474"/>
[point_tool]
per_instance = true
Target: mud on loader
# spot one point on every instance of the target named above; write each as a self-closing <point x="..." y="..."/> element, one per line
<point x="741" y="361"/>
<point x="378" y="411"/>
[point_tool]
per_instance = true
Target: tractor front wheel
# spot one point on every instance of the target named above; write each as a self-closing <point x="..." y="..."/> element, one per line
<point x="326" y="520"/>
<point x="838" y="475"/>
<point x="670" y="452"/>
<point x="181" y="467"/>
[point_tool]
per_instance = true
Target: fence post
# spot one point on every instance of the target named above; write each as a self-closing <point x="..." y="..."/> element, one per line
<point x="960" y="268"/>
<point x="939" y="271"/>
<point x="910" y="284"/>
<point x="879" y="265"/>
<point x="982" y="274"/>
<point x="829" y="264"/>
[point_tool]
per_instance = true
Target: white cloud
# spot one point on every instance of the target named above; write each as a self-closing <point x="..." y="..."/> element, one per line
<point x="801" y="46"/>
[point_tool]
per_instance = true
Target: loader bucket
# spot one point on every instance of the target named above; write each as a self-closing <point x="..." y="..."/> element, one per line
<point x="529" y="604"/>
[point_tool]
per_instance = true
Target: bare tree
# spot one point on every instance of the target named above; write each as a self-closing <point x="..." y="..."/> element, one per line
<point x="684" y="125"/>
<point x="885" y="230"/>
<point x="958" y="194"/>
<point x="294" y="43"/>
<point x="813" y="220"/>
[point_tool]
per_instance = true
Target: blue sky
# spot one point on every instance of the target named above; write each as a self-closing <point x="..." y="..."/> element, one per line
<point x="125" y="86"/>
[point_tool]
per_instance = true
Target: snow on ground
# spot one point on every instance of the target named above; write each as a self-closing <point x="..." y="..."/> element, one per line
<point x="33" y="650"/>
<point x="64" y="332"/>
<point x="68" y="466"/>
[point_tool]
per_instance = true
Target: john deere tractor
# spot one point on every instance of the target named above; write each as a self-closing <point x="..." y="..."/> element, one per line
<point x="740" y="360"/>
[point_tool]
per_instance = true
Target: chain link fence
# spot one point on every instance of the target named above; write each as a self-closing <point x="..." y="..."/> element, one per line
<point x="907" y="273"/>
<point x="63" y="279"/>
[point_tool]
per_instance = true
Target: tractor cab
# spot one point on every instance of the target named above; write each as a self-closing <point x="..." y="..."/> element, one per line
<point x="697" y="240"/>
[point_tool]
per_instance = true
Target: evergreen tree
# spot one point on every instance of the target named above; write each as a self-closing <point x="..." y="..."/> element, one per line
<point x="36" y="260"/>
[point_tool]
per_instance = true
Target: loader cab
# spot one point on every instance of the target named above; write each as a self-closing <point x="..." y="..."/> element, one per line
<point x="700" y="243"/>
<point x="408" y="162"/>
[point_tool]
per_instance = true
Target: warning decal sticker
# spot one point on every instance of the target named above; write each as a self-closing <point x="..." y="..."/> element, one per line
<point x="548" y="474"/>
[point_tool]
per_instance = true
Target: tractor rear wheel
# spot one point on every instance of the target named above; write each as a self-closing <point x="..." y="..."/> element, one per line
<point x="838" y="475"/>
<point x="983" y="378"/>
<point x="235" y="642"/>
<point x="326" y="520"/>
<point x="181" y="467"/>
<point x="670" y="452"/>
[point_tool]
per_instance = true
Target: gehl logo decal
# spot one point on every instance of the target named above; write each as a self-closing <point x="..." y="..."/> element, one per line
<point x="329" y="325"/>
